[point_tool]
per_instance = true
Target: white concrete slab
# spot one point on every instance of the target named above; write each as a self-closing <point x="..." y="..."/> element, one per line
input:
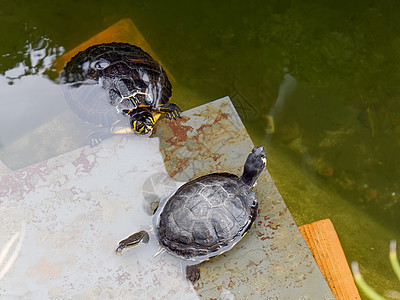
<point x="61" y="219"/>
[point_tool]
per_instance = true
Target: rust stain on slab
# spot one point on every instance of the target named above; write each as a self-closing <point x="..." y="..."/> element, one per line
<point x="183" y="142"/>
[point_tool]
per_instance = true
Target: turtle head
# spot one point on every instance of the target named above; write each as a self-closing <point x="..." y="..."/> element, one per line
<point x="254" y="165"/>
<point x="142" y="120"/>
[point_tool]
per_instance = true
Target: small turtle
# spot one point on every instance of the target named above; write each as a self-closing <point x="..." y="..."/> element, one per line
<point x="119" y="87"/>
<point x="207" y="216"/>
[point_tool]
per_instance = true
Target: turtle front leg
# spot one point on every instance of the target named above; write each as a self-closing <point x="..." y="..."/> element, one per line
<point x="171" y="110"/>
<point x="133" y="240"/>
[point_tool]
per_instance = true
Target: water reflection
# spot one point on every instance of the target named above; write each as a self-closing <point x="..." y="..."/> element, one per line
<point x="286" y="88"/>
<point x="29" y="99"/>
<point x="36" y="59"/>
<point x="8" y="254"/>
<point x="27" y="104"/>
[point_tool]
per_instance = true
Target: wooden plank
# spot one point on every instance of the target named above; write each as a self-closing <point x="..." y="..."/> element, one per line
<point x="324" y="243"/>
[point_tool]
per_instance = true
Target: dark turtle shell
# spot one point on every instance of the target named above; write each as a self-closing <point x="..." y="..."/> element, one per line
<point x="206" y="216"/>
<point x="99" y="80"/>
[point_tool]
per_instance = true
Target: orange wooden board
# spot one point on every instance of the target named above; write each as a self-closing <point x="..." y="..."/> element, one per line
<point x="123" y="31"/>
<point x="323" y="241"/>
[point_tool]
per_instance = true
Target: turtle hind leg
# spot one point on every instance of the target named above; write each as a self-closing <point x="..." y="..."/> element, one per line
<point x="193" y="273"/>
<point x="171" y="110"/>
<point x="133" y="240"/>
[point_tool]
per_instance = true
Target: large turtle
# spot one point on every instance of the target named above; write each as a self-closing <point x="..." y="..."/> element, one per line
<point x="207" y="216"/>
<point x="118" y="87"/>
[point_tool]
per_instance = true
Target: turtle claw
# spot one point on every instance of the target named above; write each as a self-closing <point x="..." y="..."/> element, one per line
<point x="121" y="246"/>
<point x="118" y="250"/>
<point x="171" y="110"/>
<point x="96" y="137"/>
<point x="93" y="141"/>
<point x="173" y="115"/>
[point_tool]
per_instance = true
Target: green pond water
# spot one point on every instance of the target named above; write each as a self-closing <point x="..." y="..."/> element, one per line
<point x="316" y="82"/>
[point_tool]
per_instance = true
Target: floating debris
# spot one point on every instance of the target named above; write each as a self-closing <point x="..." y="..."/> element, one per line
<point x="327" y="172"/>
<point x="370" y="194"/>
<point x="332" y="138"/>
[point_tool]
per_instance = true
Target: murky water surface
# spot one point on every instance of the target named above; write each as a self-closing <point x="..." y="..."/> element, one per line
<point x="316" y="83"/>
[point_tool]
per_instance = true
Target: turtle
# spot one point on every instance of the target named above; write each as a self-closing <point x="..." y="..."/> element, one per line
<point x="119" y="88"/>
<point x="206" y="216"/>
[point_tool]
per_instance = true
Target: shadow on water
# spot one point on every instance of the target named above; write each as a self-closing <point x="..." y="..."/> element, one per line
<point x="326" y="72"/>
